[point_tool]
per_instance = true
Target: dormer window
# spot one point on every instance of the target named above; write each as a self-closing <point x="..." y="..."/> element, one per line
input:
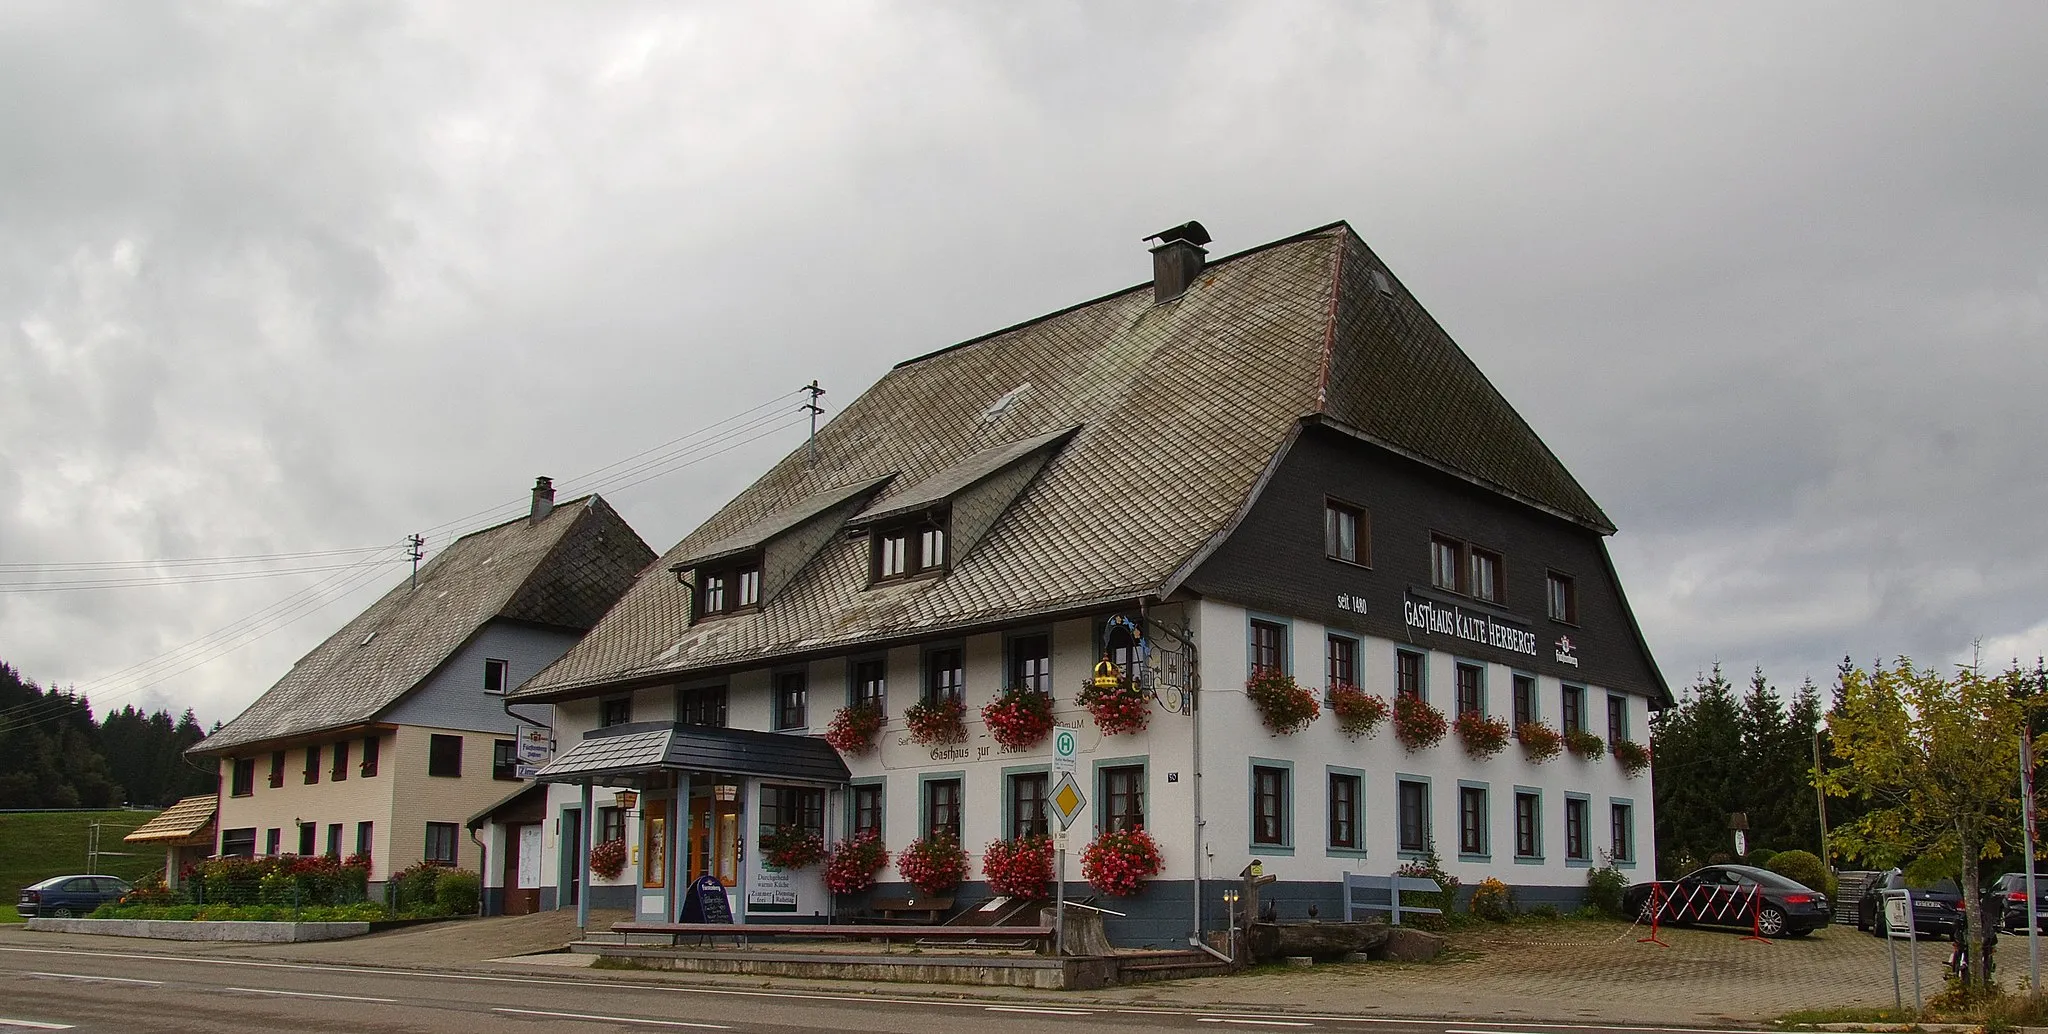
<point x="910" y="548"/>
<point x="729" y="587"/>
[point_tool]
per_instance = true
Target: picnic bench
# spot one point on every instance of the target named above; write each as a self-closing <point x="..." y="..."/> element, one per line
<point x="741" y="932"/>
<point x="928" y="911"/>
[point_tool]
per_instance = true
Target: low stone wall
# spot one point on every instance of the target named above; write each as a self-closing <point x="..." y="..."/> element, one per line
<point x="1014" y="971"/>
<point x="197" y="930"/>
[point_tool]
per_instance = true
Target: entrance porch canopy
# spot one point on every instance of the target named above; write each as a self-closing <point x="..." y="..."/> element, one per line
<point x="639" y="754"/>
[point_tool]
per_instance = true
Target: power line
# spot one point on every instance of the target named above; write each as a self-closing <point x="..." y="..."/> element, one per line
<point x="195" y="579"/>
<point x="251" y="558"/>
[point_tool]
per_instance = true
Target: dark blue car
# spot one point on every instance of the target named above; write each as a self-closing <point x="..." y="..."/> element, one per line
<point x="61" y="897"/>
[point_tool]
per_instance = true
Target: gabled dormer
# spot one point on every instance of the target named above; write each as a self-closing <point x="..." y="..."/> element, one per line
<point x="932" y="525"/>
<point x="743" y="572"/>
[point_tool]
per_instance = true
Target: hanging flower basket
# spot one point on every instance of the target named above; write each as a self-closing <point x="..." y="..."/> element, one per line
<point x="851" y="866"/>
<point x="1634" y="757"/>
<point x="854" y="728"/>
<point x="608" y="859"/>
<point x="1484" y="737"/>
<point x="934" y="865"/>
<point x="1416" y="724"/>
<point x="1283" y="705"/>
<point x="1021" y="868"/>
<point x="1019" y="718"/>
<point x="1120" y="861"/>
<point x="792" y="847"/>
<point x="1358" y="712"/>
<point x="1584" y="744"/>
<point x="937" y="721"/>
<point x="1540" y="742"/>
<point x="1124" y="707"/>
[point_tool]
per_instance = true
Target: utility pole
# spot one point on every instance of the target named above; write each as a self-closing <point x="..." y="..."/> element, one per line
<point x="415" y="546"/>
<point x="1820" y="798"/>
<point x="2033" y="888"/>
<point x="815" y="410"/>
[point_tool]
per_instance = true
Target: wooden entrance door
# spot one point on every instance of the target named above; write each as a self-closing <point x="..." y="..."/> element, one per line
<point x="521" y="878"/>
<point x="715" y="839"/>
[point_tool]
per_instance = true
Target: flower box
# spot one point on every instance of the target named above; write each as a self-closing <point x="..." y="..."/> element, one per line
<point x="1540" y="742"/>
<point x="1119" y="862"/>
<point x="1283" y="705"/>
<point x="1358" y="712"/>
<point x="1118" y="709"/>
<point x="792" y="847"/>
<point x="1634" y="757"/>
<point x="1584" y="744"/>
<point x="934" y="865"/>
<point x="851" y="866"/>
<point x="937" y="721"/>
<point x="854" y="728"/>
<point x="1483" y="736"/>
<point x="1416" y="724"/>
<point x="1021" y="868"/>
<point x="1019" y="717"/>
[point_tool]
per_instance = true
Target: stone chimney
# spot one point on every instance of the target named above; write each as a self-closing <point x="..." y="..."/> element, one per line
<point x="543" y="498"/>
<point x="1177" y="260"/>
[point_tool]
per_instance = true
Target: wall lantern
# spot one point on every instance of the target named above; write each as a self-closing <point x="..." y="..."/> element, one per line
<point x="626" y="799"/>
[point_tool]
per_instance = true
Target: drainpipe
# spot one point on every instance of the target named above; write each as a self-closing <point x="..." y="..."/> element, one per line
<point x="1195" y="775"/>
<point x="483" y="874"/>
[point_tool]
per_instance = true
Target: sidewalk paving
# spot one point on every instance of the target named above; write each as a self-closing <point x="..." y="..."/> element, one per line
<point x="1560" y="972"/>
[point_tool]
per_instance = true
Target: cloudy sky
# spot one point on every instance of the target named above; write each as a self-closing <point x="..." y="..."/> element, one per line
<point x="297" y="280"/>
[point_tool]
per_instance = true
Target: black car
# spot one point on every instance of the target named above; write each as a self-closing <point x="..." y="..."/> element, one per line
<point x="61" y="897"/>
<point x="2011" y="891"/>
<point x="1733" y="895"/>
<point x="1937" y="908"/>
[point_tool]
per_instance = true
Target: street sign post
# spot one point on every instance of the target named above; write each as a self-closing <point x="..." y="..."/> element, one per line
<point x="1067" y="801"/>
<point x="1065" y="740"/>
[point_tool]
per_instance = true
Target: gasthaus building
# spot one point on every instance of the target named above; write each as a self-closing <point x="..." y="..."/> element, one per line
<point x="1274" y="462"/>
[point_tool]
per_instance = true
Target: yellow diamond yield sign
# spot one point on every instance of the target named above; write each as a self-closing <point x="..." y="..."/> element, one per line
<point x="1067" y="800"/>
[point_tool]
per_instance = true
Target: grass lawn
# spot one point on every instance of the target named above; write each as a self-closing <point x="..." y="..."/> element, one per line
<point x="8" y="914"/>
<point x="35" y="846"/>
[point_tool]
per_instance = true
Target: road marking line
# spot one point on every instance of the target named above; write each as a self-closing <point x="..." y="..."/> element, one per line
<point x="88" y="976"/>
<point x="1039" y="1012"/>
<point x="612" y="1019"/>
<point x="310" y="994"/>
<point x="1232" y="1019"/>
<point x="33" y="1025"/>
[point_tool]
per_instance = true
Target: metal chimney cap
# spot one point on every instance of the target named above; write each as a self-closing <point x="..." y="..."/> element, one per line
<point x="1190" y="231"/>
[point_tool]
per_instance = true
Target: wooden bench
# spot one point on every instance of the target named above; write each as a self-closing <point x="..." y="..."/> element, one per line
<point x="928" y="911"/>
<point x="887" y="932"/>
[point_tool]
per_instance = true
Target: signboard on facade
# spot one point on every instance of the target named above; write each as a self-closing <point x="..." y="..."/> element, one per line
<point x="1471" y="626"/>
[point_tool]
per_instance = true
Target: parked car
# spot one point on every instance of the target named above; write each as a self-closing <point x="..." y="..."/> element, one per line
<point x="61" y="897"/>
<point x="1733" y="895"/>
<point x="2011" y="889"/>
<point x="1937" y="909"/>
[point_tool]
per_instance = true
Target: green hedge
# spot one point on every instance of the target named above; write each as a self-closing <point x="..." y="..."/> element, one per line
<point x="361" y="912"/>
<point x="1806" y="867"/>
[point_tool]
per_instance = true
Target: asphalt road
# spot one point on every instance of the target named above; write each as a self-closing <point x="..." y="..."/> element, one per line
<point x="69" y="989"/>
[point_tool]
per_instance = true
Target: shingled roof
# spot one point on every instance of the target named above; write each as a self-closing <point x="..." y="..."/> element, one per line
<point x="563" y="570"/>
<point x="1181" y="408"/>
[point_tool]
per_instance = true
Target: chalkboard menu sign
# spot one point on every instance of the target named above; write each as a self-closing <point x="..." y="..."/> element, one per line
<point x="706" y="902"/>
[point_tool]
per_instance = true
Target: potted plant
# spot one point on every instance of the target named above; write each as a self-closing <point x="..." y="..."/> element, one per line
<point x="1416" y="724"/>
<point x="1358" y="712"/>
<point x="1484" y="736"/>
<point x="943" y="720"/>
<point x="1283" y="705"/>
<point x="1020" y="868"/>
<point x="1634" y="757"/>
<point x="1120" y="861"/>
<point x="1584" y="744"/>
<point x="1117" y="707"/>
<point x="1019" y="717"/>
<point x="854" y="727"/>
<point x="934" y="865"/>
<point x="792" y="847"/>
<point x="608" y="859"/>
<point x="1540" y="742"/>
<point x="851" y="866"/>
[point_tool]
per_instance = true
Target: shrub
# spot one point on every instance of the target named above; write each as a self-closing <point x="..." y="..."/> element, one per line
<point x="1283" y="705"/>
<point x="1604" y="887"/>
<point x="854" y="728"/>
<point x="1634" y="757"/>
<point x="1124" y="707"/>
<point x="1492" y="901"/>
<point x="937" y="721"/>
<point x="1804" y="866"/>
<point x="934" y="865"/>
<point x="1759" y="856"/>
<point x="413" y="886"/>
<point x="1430" y="867"/>
<point x="458" y="891"/>
<point x="1543" y="912"/>
<point x="1416" y="724"/>
<point x="1483" y="736"/>
<point x="1540" y="742"/>
<point x="1119" y="861"/>
<point x="792" y="847"/>
<point x="854" y="861"/>
<point x="1019" y="717"/>
<point x="1358" y="712"/>
<point x="1584" y="744"/>
<point x="1020" y="868"/>
<point x="608" y="859"/>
